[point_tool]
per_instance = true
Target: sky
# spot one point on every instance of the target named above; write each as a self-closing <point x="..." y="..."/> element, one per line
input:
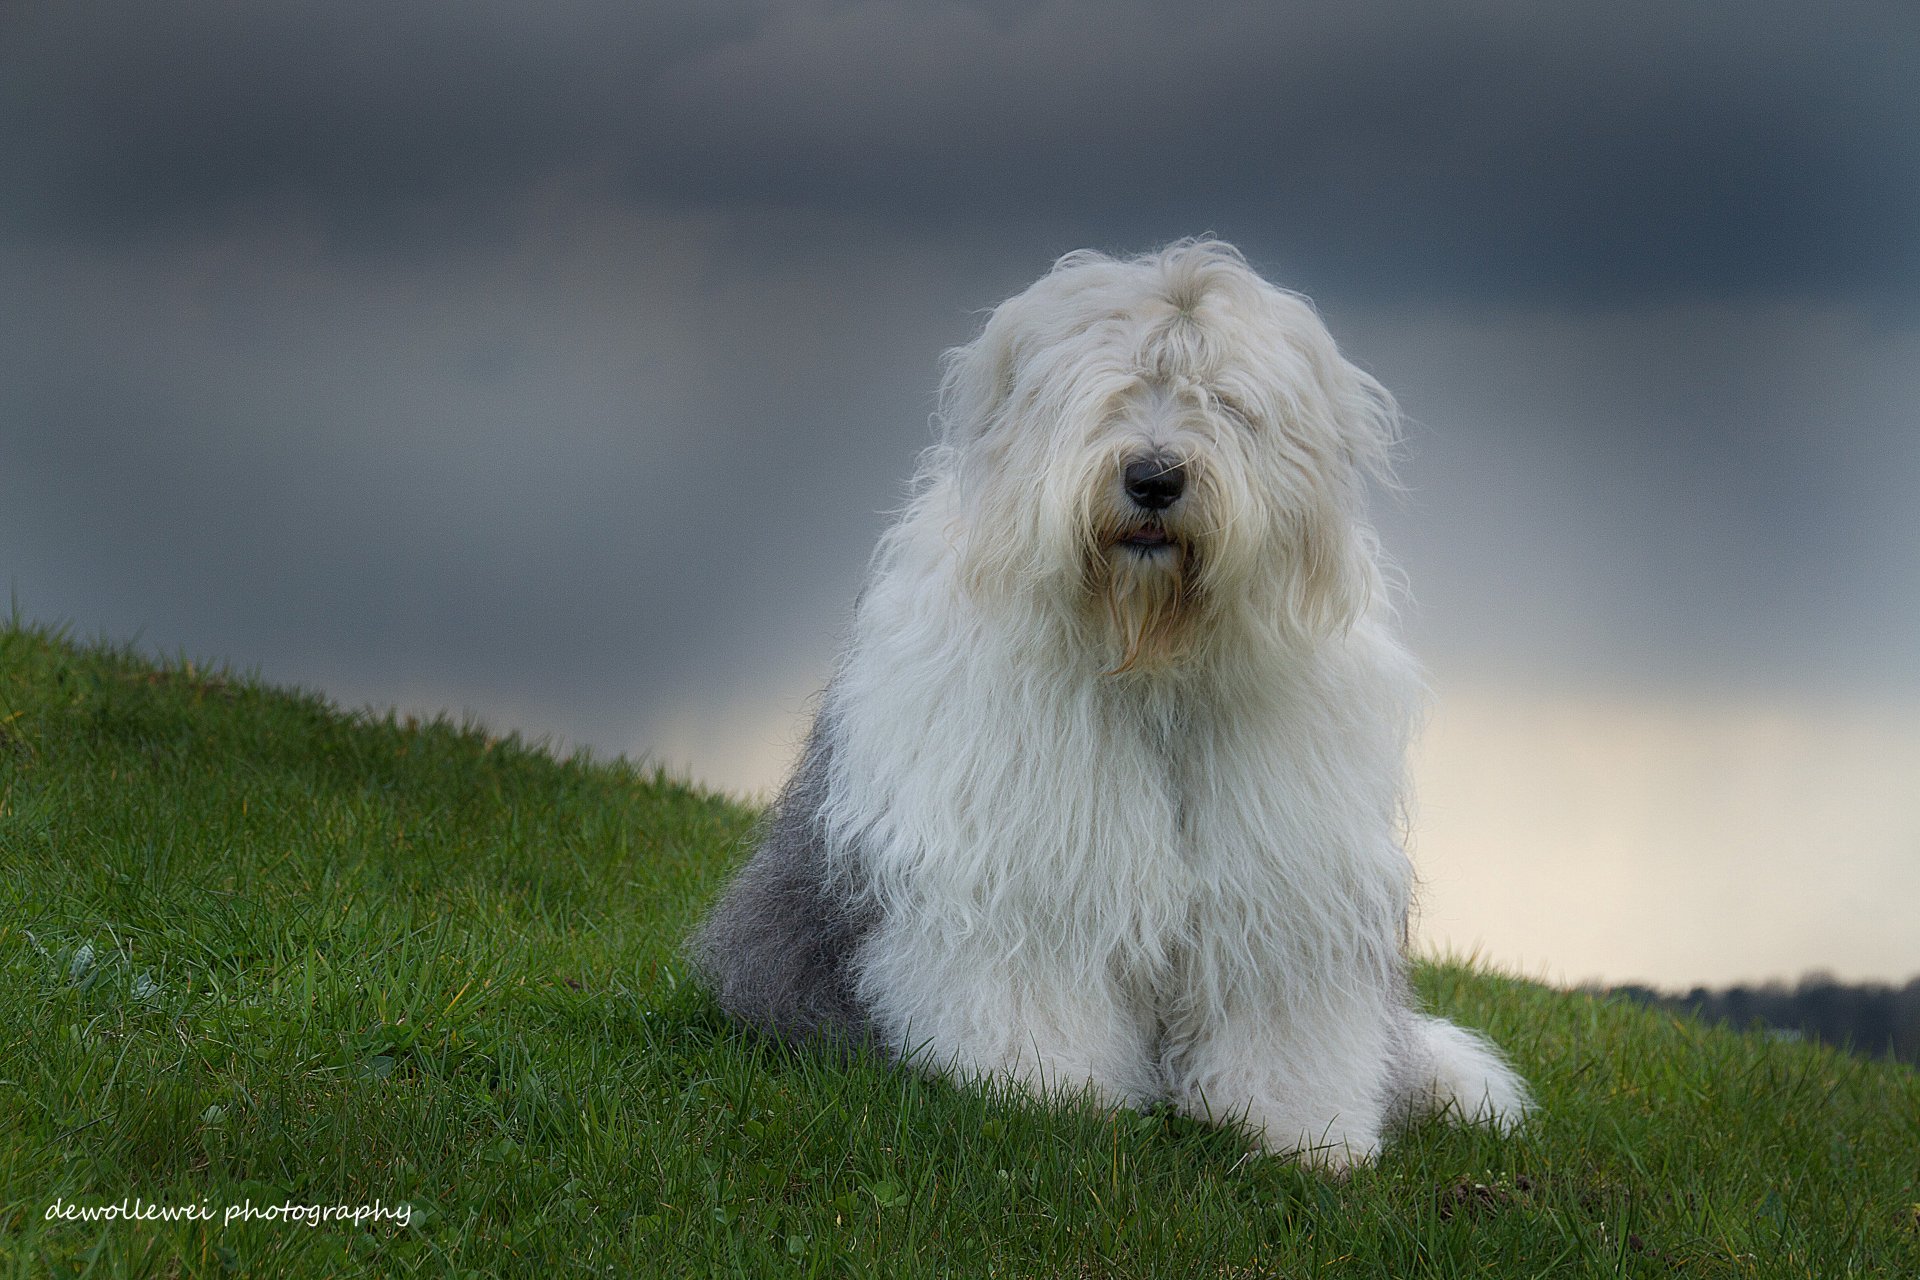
<point x="558" y="365"/>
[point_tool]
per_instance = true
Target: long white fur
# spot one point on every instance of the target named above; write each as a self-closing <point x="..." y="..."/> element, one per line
<point x="1159" y="867"/>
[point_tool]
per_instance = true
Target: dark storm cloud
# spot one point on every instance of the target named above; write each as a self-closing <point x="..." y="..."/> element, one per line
<point x="560" y="479"/>
<point x="1629" y="150"/>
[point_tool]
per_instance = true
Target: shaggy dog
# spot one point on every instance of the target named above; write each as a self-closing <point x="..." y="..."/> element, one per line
<point x="1106" y="792"/>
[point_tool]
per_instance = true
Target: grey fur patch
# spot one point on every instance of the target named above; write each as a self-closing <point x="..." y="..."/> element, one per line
<point x="777" y="949"/>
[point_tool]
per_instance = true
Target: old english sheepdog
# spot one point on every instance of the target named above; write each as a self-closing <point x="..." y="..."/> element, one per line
<point x="1106" y="792"/>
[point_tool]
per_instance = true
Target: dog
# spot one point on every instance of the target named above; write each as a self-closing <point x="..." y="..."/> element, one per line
<point x="1106" y="793"/>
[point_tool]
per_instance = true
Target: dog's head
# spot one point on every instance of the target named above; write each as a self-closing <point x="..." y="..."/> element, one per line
<point x="1162" y="443"/>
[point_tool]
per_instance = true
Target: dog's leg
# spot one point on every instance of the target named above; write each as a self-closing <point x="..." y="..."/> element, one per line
<point x="1306" y="1077"/>
<point x="977" y="1016"/>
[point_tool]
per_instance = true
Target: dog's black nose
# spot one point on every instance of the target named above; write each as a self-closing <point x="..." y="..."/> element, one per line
<point x="1155" y="483"/>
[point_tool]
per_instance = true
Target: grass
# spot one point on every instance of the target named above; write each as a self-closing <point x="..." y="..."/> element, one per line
<point x="257" y="951"/>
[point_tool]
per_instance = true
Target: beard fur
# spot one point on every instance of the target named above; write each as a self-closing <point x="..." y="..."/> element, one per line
<point x="1150" y="604"/>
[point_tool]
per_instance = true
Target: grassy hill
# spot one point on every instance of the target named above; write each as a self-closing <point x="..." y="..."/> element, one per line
<point x="257" y="952"/>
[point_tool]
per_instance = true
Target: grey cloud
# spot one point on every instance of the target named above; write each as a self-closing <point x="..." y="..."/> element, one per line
<point x="1627" y="150"/>
<point x="127" y="117"/>
<point x="1701" y="495"/>
<point x="590" y="467"/>
<point x="1637" y="150"/>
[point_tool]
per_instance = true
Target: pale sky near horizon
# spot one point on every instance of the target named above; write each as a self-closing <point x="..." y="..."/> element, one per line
<point x="559" y="364"/>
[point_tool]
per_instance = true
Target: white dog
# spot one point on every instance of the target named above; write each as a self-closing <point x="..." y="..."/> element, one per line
<point x="1107" y="790"/>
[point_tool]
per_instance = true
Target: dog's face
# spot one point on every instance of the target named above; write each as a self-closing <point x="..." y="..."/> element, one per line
<point x="1163" y="444"/>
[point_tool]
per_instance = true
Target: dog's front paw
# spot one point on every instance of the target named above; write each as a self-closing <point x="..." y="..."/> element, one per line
<point x="1334" y="1155"/>
<point x="1329" y="1148"/>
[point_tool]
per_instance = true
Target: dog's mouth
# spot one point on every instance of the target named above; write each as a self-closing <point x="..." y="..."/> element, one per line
<point x="1146" y="540"/>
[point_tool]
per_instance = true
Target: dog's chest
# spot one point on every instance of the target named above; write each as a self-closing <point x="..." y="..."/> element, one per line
<point x="1258" y="793"/>
<point x="1167" y="735"/>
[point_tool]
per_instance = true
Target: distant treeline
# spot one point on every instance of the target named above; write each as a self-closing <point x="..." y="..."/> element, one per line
<point x="1874" y="1018"/>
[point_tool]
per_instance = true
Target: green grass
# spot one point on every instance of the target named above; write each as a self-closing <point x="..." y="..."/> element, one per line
<point x="253" y="949"/>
